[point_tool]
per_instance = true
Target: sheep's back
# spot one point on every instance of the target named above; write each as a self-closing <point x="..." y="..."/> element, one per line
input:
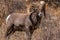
<point x="19" y="19"/>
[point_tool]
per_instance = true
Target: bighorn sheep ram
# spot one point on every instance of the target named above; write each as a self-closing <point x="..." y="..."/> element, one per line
<point x="25" y="22"/>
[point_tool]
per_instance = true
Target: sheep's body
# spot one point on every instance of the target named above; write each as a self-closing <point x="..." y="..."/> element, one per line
<point x="21" y="22"/>
<point x="24" y="22"/>
<point x="19" y="19"/>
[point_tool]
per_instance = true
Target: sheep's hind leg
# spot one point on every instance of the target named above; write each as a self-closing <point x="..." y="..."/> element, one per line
<point x="10" y="31"/>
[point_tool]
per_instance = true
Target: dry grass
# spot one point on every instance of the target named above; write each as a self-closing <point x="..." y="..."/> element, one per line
<point x="49" y="29"/>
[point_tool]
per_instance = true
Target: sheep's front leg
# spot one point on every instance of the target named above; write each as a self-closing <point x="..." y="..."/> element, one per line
<point x="28" y="33"/>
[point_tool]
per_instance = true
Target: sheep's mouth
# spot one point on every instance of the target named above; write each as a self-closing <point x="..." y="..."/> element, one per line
<point x="40" y="14"/>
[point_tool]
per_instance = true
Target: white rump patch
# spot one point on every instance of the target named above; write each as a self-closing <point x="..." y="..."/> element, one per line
<point x="7" y="18"/>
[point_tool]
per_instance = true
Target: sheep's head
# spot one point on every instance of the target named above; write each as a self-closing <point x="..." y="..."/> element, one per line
<point x="37" y="11"/>
<point x="38" y="7"/>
